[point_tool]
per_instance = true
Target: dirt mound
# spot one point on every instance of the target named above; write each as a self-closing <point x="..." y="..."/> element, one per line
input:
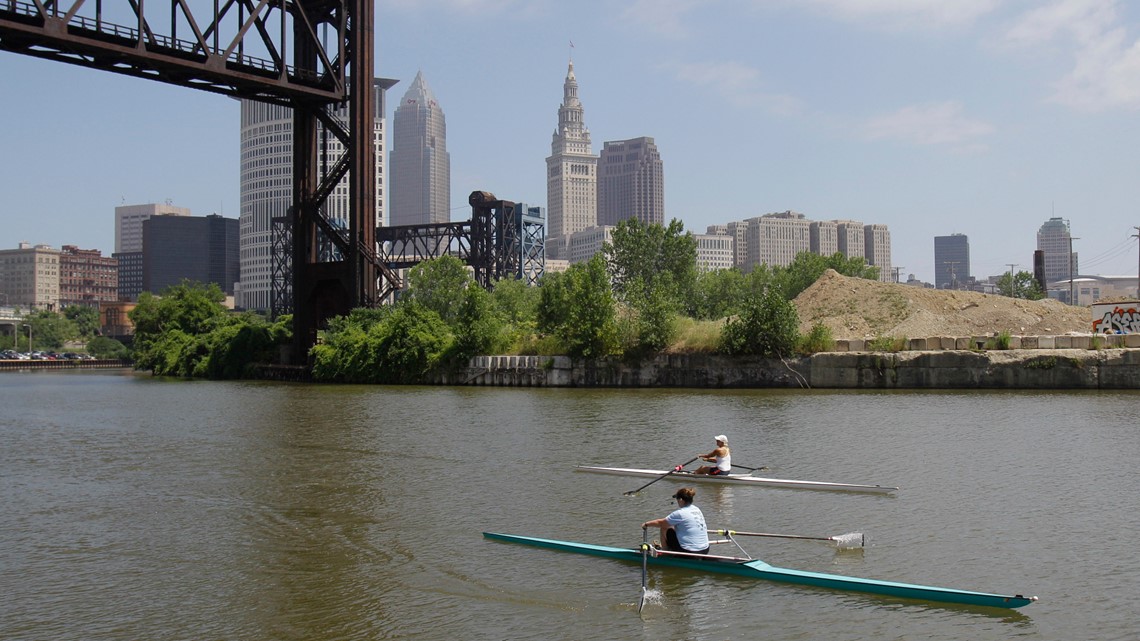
<point x="860" y="308"/>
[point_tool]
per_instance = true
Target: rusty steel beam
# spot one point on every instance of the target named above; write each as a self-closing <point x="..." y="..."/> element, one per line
<point x="266" y="50"/>
<point x="237" y="48"/>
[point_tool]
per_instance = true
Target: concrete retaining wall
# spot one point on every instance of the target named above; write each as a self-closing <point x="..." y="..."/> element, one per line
<point x="945" y="369"/>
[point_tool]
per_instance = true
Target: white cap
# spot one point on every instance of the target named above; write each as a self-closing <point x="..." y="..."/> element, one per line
<point x="722" y="438"/>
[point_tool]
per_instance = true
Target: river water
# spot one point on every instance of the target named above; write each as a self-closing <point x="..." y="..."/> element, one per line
<point x="140" y="508"/>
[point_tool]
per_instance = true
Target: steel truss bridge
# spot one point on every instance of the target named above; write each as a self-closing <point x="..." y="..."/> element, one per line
<point x="308" y="55"/>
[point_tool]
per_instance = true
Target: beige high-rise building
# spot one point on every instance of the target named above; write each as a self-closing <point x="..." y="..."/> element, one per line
<point x="571" y="173"/>
<point x="420" y="189"/>
<point x="29" y="277"/>
<point x="631" y="182"/>
<point x="877" y="250"/>
<point x="850" y="238"/>
<point x="824" y="237"/>
<point x="714" y="250"/>
<point x="776" y="239"/>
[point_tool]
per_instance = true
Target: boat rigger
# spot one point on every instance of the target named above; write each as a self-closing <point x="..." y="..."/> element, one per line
<point x="760" y="570"/>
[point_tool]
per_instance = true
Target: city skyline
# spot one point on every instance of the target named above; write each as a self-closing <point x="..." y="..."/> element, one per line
<point x="985" y="118"/>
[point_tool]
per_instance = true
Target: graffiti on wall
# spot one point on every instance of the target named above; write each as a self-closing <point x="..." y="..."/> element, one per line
<point x="1120" y="318"/>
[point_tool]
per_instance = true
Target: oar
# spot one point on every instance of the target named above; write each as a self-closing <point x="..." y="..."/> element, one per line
<point x="844" y="541"/>
<point x="661" y="477"/>
<point x="751" y="469"/>
<point x="644" y="568"/>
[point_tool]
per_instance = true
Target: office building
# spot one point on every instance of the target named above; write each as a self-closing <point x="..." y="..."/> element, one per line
<point x="267" y="185"/>
<point x="850" y="238"/>
<point x="130" y="269"/>
<point x="1054" y="239"/>
<point x="951" y="261"/>
<point x="714" y="250"/>
<point x="583" y="244"/>
<point x="571" y="173"/>
<point x="29" y="277"/>
<point x="420" y="186"/>
<point x="775" y="239"/>
<point x="202" y="249"/>
<point x="877" y="250"/>
<point x="87" y="277"/>
<point x="129" y="220"/>
<point x="824" y="237"/>
<point x="631" y="182"/>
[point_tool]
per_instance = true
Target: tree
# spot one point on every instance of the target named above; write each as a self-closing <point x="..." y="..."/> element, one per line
<point x="654" y="256"/>
<point x="479" y="329"/>
<point x="768" y="326"/>
<point x="408" y="343"/>
<point x="654" y="318"/>
<point x="86" y="319"/>
<point x="718" y="293"/>
<point x="50" y="330"/>
<point x="578" y="308"/>
<point x="1020" y="285"/>
<point x="438" y="285"/>
<point x="103" y="347"/>
<point x="168" y="327"/>
<point x="807" y="267"/>
<point x="516" y="301"/>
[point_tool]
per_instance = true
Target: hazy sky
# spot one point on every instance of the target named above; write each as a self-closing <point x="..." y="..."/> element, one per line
<point x="981" y="117"/>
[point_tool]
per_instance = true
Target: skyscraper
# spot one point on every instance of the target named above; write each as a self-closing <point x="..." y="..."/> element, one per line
<point x="129" y="220"/>
<point x="571" y="173"/>
<point x="421" y="166"/>
<point x="202" y="249"/>
<point x="631" y="182"/>
<point x="1060" y="261"/>
<point x="951" y="261"/>
<point x="267" y="185"/>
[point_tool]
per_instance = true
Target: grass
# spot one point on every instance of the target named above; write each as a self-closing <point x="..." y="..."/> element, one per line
<point x="696" y="336"/>
<point x="887" y="344"/>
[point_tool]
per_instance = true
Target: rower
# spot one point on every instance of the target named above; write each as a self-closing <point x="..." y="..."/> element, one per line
<point x="683" y="530"/>
<point x="720" y="455"/>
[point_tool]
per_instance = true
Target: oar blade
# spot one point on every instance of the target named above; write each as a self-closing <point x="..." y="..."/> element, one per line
<point x="641" y="601"/>
<point x="849" y="541"/>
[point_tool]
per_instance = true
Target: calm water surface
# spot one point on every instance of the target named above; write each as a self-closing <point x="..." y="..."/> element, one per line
<point x="138" y="508"/>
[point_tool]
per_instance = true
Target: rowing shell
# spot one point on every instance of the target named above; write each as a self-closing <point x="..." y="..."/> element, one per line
<point x="742" y="479"/>
<point x="760" y="570"/>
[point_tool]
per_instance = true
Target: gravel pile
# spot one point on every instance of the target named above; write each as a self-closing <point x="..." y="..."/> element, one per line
<point x="859" y="308"/>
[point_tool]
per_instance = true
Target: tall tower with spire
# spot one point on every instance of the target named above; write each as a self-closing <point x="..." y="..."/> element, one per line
<point x="571" y="173"/>
<point x="420" y="190"/>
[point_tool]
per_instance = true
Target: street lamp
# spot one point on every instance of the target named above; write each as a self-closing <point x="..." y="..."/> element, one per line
<point x="29" y="337"/>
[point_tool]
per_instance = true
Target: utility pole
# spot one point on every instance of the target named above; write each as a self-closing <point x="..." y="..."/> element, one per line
<point x="898" y="270"/>
<point x="1137" y="237"/>
<point x="953" y="276"/>
<point x="1072" y="301"/>
<point x="1012" y="289"/>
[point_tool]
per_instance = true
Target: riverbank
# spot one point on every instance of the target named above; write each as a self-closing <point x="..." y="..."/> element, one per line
<point x="109" y="363"/>
<point x="947" y="369"/>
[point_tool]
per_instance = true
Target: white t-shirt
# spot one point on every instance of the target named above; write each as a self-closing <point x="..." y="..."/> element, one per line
<point x="689" y="522"/>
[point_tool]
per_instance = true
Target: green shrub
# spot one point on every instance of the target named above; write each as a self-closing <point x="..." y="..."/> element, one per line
<point x="767" y="326"/>
<point x="818" y="339"/>
<point x="1001" y="341"/>
<point x="887" y="344"/>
